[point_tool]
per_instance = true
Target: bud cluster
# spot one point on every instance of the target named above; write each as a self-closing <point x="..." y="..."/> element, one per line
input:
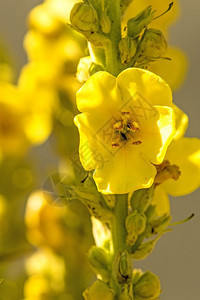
<point x="142" y="45"/>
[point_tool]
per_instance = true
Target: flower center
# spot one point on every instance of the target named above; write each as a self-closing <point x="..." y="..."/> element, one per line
<point x="124" y="130"/>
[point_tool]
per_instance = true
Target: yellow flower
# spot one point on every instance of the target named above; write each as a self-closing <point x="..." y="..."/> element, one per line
<point x="125" y="128"/>
<point x="185" y="153"/>
<point x="13" y="139"/>
<point x="40" y="100"/>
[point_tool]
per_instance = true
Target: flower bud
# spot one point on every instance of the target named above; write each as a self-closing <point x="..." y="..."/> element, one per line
<point x="105" y="22"/>
<point x="137" y="24"/>
<point x="152" y="46"/>
<point x="127" y="48"/>
<point x="124" y="268"/>
<point x="84" y="18"/>
<point x="147" y="287"/>
<point x="98" y="291"/>
<point x="99" y="261"/>
<point x="135" y="225"/>
<point x="141" y="199"/>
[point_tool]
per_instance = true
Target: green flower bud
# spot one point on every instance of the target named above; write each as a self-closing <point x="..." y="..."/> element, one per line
<point x="135" y="225"/>
<point x="105" y="22"/>
<point x="127" y="48"/>
<point x="147" y="288"/>
<point x="84" y="18"/>
<point x="99" y="291"/>
<point x="124" y="268"/>
<point x="99" y="260"/>
<point x="138" y="23"/>
<point x="141" y="199"/>
<point x="152" y="46"/>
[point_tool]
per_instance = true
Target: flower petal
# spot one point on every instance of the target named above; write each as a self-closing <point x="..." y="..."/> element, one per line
<point x="185" y="153"/>
<point x="124" y="173"/>
<point x="148" y="87"/>
<point x="99" y="93"/>
<point x="161" y="201"/>
<point x="178" y="64"/>
<point x="157" y="134"/>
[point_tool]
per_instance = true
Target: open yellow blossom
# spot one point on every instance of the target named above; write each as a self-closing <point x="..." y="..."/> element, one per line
<point x="182" y="173"/>
<point x="125" y="128"/>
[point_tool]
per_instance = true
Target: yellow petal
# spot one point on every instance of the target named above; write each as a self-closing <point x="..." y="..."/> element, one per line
<point x="99" y="93"/>
<point x="161" y="201"/>
<point x="181" y="122"/>
<point x="124" y="173"/>
<point x="157" y="134"/>
<point x="150" y="88"/>
<point x="174" y="70"/>
<point x="185" y="153"/>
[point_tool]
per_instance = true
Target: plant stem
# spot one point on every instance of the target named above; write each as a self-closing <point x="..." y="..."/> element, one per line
<point x="118" y="223"/>
<point x="113" y="61"/>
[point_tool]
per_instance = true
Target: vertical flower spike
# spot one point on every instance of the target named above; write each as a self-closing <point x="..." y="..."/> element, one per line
<point x="126" y="126"/>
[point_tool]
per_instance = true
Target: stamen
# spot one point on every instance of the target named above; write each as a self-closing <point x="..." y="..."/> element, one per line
<point x="136" y="143"/>
<point x="115" y="145"/>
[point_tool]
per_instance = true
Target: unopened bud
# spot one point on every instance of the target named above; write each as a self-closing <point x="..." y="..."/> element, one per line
<point x="141" y="199"/>
<point x="147" y="287"/>
<point x="105" y="22"/>
<point x="135" y="225"/>
<point x="152" y="46"/>
<point x="98" y="291"/>
<point x="124" y="268"/>
<point x="99" y="260"/>
<point x="84" y="18"/>
<point x="127" y="48"/>
<point x="138" y="23"/>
